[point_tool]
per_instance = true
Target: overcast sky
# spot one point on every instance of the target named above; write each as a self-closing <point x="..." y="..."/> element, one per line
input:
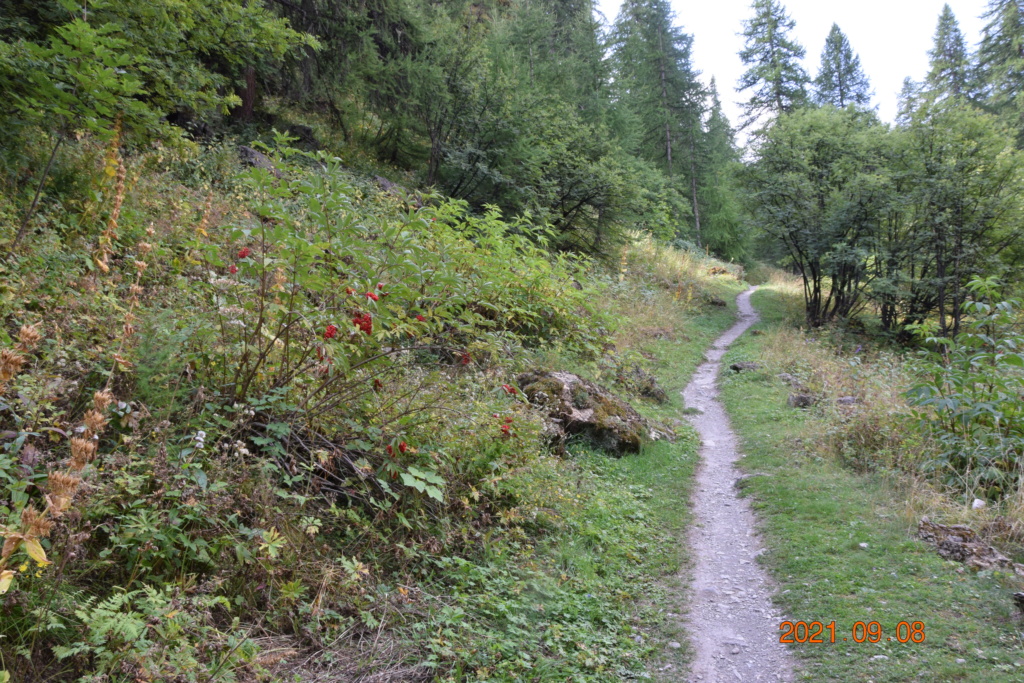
<point x="892" y="38"/>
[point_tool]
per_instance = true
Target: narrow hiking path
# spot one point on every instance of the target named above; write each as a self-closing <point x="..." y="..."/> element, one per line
<point x="732" y="623"/>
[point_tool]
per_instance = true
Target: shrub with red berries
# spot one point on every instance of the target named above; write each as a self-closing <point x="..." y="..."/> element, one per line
<point x="371" y="295"/>
<point x="244" y="252"/>
<point x="330" y="332"/>
<point x="364" y="322"/>
<point x="509" y="389"/>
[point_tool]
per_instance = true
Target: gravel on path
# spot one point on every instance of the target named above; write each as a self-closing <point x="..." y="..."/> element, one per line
<point x="733" y="626"/>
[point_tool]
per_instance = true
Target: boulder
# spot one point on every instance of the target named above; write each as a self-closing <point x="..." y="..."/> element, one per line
<point x="745" y="365"/>
<point x="638" y="381"/>
<point x="789" y="379"/>
<point x="802" y="400"/>
<point x="575" y="406"/>
<point x="257" y="159"/>
<point x="304" y="135"/>
<point x="388" y="185"/>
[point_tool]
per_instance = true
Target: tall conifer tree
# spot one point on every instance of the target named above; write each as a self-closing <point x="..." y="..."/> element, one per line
<point x="654" y="75"/>
<point x="840" y="81"/>
<point x="1001" y="62"/>
<point x="773" y="58"/>
<point x="723" y="227"/>
<point x="950" y="64"/>
<point x="656" y="80"/>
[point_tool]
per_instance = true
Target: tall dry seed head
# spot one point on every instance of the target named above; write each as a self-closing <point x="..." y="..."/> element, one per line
<point x="82" y="453"/>
<point x="95" y="423"/>
<point x="62" y="488"/>
<point x="29" y="337"/>
<point x="34" y="523"/>
<point x="101" y="400"/>
<point x="109" y="234"/>
<point x="10" y="365"/>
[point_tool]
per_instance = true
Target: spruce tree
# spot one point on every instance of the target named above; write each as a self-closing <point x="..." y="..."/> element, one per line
<point x="722" y="222"/>
<point x="950" y="64"/>
<point x="1000" y="62"/>
<point x="840" y="81"/>
<point x="773" y="58"/>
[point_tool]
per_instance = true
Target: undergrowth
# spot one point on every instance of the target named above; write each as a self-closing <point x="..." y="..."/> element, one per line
<point x="262" y="425"/>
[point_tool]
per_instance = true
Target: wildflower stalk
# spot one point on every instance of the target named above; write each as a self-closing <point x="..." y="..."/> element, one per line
<point x="62" y="485"/>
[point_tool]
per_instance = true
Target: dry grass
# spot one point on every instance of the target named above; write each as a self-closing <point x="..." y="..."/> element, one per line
<point x="878" y="432"/>
<point x="663" y="287"/>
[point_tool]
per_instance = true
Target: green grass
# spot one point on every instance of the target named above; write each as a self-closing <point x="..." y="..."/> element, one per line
<point x="816" y="514"/>
<point x="583" y="594"/>
<point x="666" y="471"/>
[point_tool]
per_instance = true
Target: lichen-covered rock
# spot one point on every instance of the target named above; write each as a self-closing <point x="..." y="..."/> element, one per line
<point x="636" y="380"/>
<point x="257" y="159"/>
<point x="575" y="406"/>
<point x="802" y="400"/>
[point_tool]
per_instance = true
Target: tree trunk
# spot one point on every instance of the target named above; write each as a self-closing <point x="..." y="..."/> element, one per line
<point x="664" y="104"/>
<point x="248" y="95"/>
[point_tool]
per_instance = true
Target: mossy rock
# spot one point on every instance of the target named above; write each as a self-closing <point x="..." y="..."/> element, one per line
<point x="574" y="406"/>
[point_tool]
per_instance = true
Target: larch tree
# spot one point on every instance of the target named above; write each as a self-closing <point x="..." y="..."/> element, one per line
<point x="655" y="78"/>
<point x="841" y="80"/>
<point x="774" y="72"/>
<point x="653" y="73"/>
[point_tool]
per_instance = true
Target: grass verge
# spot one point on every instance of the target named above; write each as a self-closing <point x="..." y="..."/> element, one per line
<point x="842" y="550"/>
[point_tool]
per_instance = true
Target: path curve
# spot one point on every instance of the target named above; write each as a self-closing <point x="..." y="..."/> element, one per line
<point x="733" y="626"/>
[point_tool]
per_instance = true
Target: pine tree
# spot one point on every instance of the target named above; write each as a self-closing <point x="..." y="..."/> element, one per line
<point x="779" y="82"/>
<point x="1000" y="62"/>
<point x="950" y="64"/>
<point x="840" y="81"/>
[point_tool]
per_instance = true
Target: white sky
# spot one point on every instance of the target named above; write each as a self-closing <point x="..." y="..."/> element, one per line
<point x="892" y="38"/>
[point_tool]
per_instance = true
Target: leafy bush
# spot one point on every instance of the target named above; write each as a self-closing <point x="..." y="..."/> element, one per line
<point x="972" y="389"/>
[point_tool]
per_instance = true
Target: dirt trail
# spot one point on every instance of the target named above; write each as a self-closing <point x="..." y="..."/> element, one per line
<point x="733" y="626"/>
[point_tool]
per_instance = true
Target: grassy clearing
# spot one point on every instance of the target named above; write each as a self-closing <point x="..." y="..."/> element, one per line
<point x="817" y="513"/>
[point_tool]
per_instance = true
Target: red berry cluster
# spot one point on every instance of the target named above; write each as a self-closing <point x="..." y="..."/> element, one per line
<point x="232" y="269"/>
<point x="244" y="252"/>
<point x="364" y="322"/>
<point x="330" y="332"/>
<point x="509" y="389"/>
<point x="506" y="429"/>
<point x="371" y="295"/>
<point x="402" y="448"/>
